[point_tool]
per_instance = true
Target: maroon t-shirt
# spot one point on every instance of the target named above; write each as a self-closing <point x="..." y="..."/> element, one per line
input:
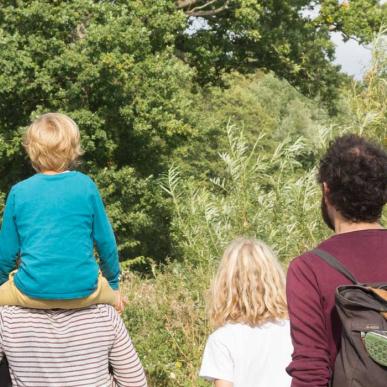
<point x="311" y="285"/>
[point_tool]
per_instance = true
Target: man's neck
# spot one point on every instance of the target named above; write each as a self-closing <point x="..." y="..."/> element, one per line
<point x="342" y="227"/>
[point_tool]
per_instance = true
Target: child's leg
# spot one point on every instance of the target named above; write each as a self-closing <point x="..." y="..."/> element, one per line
<point x="104" y="294"/>
<point x="11" y="295"/>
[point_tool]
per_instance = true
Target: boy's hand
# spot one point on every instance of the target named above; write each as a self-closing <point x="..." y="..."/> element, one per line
<point x="121" y="302"/>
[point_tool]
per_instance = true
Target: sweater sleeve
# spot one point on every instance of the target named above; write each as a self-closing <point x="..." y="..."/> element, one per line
<point x="9" y="239"/>
<point x="105" y="241"/>
<point x="310" y="359"/>
<point x="126" y="366"/>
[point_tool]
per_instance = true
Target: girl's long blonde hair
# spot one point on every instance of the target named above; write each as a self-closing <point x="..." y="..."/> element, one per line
<point x="249" y="286"/>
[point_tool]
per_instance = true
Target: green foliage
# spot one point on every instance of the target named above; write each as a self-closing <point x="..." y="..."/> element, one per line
<point x="139" y="214"/>
<point x="358" y="19"/>
<point x="109" y="66"/>
<point x="368" y="99"/>
<point x="277" y="36"/>
<point x="253" y="197"/>
<point x="258" y="103"/>
<point x="166" y="319"/>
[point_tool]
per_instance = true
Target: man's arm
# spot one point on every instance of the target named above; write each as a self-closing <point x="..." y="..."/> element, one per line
<point x="9" y="240"/>
<point x="310" y="366"/>
<point x="127" y="369"/>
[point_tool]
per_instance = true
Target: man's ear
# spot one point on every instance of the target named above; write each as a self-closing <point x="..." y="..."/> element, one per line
<point x="326" y="192"/>
<point x="325" y="188"/>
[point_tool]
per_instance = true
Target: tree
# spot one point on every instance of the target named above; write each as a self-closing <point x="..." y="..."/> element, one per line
<point x="275" y="35"/>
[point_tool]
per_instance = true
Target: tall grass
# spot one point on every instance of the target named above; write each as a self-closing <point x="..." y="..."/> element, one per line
<point x="368" y="99"/>
<point x="264" y="194"/>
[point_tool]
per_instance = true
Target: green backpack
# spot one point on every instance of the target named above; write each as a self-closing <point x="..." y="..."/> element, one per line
<point x="362" y="308"/>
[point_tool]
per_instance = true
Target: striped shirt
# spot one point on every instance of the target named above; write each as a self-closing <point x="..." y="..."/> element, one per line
<point x="68" y="348"/>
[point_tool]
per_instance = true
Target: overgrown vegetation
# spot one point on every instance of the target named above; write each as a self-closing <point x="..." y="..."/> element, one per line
<point x="264" y="189"/>
<point x="198" y="127"/>
<point x="149" y="82"/>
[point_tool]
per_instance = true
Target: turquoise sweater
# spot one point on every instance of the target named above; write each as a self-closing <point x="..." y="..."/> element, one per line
<point x="52" y="222"/>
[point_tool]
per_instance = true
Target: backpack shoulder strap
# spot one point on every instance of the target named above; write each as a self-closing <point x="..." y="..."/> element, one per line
<point x="333" y="262"/>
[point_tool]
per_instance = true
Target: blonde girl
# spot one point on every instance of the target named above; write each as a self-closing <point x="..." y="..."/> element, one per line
<point x="251" y="344"/>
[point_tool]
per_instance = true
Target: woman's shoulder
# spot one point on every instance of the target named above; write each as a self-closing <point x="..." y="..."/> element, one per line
<point x="227" y="329"/>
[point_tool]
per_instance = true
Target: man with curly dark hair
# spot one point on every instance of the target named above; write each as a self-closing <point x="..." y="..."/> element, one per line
<point x="353" y="178"/>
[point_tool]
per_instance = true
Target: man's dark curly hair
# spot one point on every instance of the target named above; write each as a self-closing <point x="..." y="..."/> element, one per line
<point x="355" y="171"/>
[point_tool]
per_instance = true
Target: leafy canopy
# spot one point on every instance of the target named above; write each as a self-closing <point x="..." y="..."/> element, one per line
<point x="281" y="36"/>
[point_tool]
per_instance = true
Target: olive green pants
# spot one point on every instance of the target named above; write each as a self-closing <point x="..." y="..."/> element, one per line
<point x="11" y="295"/>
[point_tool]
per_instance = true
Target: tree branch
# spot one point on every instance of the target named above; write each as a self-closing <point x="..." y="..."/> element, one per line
<point x="80" y="31"/>
<point x="211" y="12"/>
<point x="181" y="4"/>
<point x="205" y="5"/>
<point x="189" y="8"/>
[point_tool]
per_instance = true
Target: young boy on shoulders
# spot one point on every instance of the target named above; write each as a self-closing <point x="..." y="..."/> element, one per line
<point x="51" y="223"/>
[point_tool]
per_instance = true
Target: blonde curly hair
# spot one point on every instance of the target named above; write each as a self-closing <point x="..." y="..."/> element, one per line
<point x="249" y="286"/>
<point x="52" y="142"/>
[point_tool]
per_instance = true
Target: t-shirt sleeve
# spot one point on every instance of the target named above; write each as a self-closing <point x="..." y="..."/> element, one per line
<point x="310" y="365"/>
<point x="105" y="241"/>
<point x="217" y="362"/>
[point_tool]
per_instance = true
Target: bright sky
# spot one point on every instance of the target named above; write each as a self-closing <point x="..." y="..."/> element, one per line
<point x="353" y="58"/>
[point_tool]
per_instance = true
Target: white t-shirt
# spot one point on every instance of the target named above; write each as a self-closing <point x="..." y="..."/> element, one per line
<point x="249" y="356"/>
